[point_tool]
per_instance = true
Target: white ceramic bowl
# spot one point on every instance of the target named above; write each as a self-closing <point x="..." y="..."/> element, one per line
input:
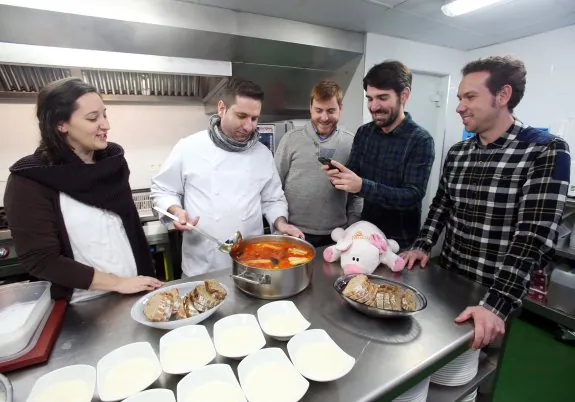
<point x="268" y="375"/>
<point x="75" y="382"/>
<point x="137" y="311"/>
<point x="281" y="320"/>
<point x="238" y="335"/>
<point x="126" y="371"/>
<point x="317" y="357"/>
<point x="185" y="349"/>
<point x="216" y="380"/>
<point x="153" y="395"/>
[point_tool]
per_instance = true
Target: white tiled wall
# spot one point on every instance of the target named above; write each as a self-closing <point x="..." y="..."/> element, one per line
<point x="550" y="62"/>
<point x="147" y="133"/>
<point x="423" y="58"/>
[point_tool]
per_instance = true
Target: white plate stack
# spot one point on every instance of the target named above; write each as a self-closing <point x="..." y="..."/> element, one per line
<point x="415" y="394"/>
<point x="459" y="371"/>
<point x="472" y="397"/>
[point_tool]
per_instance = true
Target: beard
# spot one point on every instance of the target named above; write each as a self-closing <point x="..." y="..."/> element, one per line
<point x="392" y="115"/>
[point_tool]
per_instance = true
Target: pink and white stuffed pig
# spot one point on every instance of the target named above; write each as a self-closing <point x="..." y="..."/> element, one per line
<point x="362" y="247"/>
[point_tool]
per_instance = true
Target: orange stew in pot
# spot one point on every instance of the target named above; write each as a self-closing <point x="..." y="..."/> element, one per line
<point x="274" y="255"/>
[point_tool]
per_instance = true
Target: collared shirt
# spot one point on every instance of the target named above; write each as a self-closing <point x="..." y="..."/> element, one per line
<point x="395" y="169"/>
<point x="501" y="205"/>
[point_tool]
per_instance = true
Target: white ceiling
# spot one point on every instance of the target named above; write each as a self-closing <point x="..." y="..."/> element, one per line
<point x="418" y="20"/>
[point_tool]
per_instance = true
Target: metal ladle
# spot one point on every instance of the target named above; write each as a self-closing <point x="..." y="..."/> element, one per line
<point x="224" y="247"/>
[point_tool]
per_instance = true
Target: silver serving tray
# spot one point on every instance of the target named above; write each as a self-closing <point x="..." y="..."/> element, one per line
<point x="341" y="282"/>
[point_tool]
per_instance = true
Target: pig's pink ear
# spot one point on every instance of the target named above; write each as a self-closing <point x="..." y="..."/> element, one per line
<point x="379" y="242"/>
<point x="344" y="244"/>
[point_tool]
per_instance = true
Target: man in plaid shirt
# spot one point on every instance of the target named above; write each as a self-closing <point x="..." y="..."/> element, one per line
<point x="391" y="157"/>
<point x="500" y="197"/>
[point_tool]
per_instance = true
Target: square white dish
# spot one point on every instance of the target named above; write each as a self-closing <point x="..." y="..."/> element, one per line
<point x="185" y="349"/>
<point x="212" y="383"/>
<point x="153" y="395"/>
<point x="68" y="384"/>
<point x="126" y="371"/>
<point x="137" y="311"/>
<point x="268" y="375"/>
<point x="281" y="320"/>
<point x="317" y="357"/>
<point x="23" y="308"/>
<point x="238" y="335"/>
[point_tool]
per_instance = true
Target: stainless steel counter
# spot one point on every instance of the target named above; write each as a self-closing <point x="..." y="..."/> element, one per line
<point x="391" y="355"/>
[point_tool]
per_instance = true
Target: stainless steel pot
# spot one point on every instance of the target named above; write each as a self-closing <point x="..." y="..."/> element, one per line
<point x="271" y="284"/>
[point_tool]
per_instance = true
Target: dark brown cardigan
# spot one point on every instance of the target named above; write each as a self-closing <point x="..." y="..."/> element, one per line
<point x="39" y="233"/>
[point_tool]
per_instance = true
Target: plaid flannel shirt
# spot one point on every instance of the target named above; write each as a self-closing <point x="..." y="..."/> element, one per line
<point x="501" y="205"/>
<point x="395" y="169"/>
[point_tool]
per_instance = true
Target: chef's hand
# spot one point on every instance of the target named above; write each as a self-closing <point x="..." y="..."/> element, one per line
<point x="343" y="178"/>
<point x="136" y="284"/>
<point x="412" y="256"/>
<point x="488" y="325"/>
<point x="283" y="227"/>
<point x="183" y="218"/>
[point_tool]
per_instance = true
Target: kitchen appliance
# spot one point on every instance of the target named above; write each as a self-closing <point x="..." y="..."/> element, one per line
<point x="157" y="235"/>
<point x="10" y="269"/>
<point x="272" y="133"/>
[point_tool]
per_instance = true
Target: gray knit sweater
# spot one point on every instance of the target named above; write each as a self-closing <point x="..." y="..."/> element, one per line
<point x="315" y="206"/>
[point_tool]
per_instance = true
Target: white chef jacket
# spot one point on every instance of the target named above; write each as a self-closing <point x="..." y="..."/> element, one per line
<point x="229" y="191"/>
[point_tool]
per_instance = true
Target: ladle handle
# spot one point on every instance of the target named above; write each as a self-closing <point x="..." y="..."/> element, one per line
<point x="176" y="219"/>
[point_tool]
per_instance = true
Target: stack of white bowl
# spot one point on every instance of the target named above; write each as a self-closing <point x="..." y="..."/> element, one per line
<point x="416" y="394"/>
<point x="459" y="371"/>
<point x="472" y="397"/>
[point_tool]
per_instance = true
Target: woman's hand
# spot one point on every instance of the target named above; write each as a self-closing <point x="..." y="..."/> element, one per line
<point x="125" y="285"/>
<point x="136" y="284"/>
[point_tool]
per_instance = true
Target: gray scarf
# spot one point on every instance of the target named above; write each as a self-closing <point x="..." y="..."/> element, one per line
<point x="226" y="143"/>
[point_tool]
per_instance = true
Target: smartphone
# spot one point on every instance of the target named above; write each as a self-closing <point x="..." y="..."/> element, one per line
<point x="326" y="161"/>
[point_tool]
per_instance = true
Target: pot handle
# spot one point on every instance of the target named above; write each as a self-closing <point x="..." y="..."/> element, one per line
<point x="259" y="279"/>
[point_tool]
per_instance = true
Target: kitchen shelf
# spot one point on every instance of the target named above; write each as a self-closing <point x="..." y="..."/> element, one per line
<point x="549" y="313"/>
<point x="440" y="393"/>
<point x="565" y="252"/>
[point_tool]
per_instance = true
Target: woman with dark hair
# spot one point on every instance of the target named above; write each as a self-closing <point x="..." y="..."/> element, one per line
<point x="69" y="205"/>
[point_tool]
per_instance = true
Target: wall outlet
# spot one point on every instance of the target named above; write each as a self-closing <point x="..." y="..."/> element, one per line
<point x="154" y="167"/>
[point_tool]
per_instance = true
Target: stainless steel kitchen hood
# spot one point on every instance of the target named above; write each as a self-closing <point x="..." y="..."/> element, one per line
<point x="285" y="57"/>
<point x="24" y="69"/>
<point x="22" y="82"/>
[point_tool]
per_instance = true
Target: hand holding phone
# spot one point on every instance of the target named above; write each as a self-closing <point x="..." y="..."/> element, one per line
<point x="326" y="161"/>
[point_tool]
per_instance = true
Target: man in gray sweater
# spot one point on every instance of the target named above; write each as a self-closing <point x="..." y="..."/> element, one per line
<point x="315" y="206"/>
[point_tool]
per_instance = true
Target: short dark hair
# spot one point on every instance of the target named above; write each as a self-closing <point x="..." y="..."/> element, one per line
<point x="56" y="103"/>
<point x="391" y="74"/>
<point x="502" y="71"/>
<point x="241" y="87"/>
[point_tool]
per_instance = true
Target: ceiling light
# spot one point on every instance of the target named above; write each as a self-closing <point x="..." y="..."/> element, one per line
<point x="458" y="7"/>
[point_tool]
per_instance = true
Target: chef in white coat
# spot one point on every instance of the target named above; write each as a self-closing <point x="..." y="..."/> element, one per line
<point x="225" y="176"/>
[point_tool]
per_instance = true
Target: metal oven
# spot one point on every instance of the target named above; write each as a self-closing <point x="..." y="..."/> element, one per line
<point x="10" y="268"/>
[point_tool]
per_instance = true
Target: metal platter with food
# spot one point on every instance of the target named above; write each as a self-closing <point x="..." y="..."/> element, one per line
<point x="380" y="297"/>
<point x="181" y="304"/>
